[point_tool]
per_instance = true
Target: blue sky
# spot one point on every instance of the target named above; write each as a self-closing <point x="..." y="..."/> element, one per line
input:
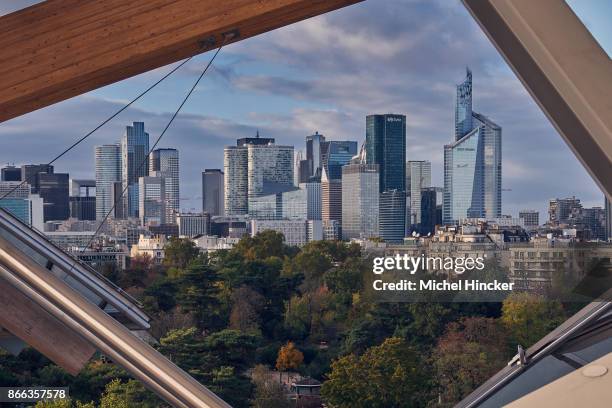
<point x="325" y="74"/>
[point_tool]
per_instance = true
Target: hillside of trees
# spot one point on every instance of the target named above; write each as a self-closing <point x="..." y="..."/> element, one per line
<point x="232" y="318"/>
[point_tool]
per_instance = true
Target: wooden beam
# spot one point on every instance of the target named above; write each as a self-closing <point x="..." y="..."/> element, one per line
<point x="62" y="48"/>
<point x="563" y="67"/>
<point x="28" y="321"/>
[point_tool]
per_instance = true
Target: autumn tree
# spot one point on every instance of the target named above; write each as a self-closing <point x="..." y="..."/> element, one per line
<point x="180" y="252"/>
<point x="268" y="392"/>
<point x="289" y="358"/>
<point x="388" y="375"/>
<point x="246" y="305"/>
<point x="468" y="353"/>
<point x="529" y="317"/>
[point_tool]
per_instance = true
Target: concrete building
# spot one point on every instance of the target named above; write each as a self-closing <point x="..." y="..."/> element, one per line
<point x="209" y="244"/>
<point x="295" y="232"/>
<point x="83" y="199"/>
<point x="191" y="225"/>
<point x="331" y="198"/>
<point x="560" y="210"/>
<point x="11" y="173"/>
<point x="418" y="177"/>
<point x="153" y="247"/>
<point x="531" y="218"/>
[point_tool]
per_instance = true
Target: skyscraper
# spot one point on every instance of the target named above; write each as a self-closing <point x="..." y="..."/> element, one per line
<point x="166" y="163"/>
<point x="212" y="191"/>
<point x="331" y="198"/>
<point x="360" y="201"/>
<point x="418" y="177"/>
<point x="11" y="173"/>
<point x="335" y="154"/>
<point x="314" y="155"/>
<point x="472" y="163"/>
<point x="254" y="169"/>
<point x="386" y="147"/>
<point x="22" y="204"/>
<point x="108" y="172"/>
<point x="134" y="164"/>
<point x="83" y="199"/>
<point x="30" y="172"/>
<point x="429" y="211"/>
<point x="236" y="171"/>
<point x="152" y="199"/>
<point x="52" y="188"/>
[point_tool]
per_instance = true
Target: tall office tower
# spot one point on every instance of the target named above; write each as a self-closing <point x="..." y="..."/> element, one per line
<point x="212" y="191"/>
<point x="134" y="164"/>
<point x="472" y="163"/>
<point x="331" y="198"/>
<point x="270" y="169"/>
<point x="20" y="202"/>
<point x="236" y="176"/>
<point x="166" y="162"/>
<point x="360" y="201"/>
<point x="335" y="154"/>
<point x="30" y="172"/>
<point x="429" y="211"/>
<point x="531" y="218"/>
<point x="119" y="210"/>
<point x="191" y="225"/>
<point x="386" y="146"/>
<point x="53" y="189"/>
<point x="83" y="199"/>
<point x="108" y="172"/>
<point x="258" y="141"/>
<point x="418" y="177"/>
<point x="313" y="200"/>
<point x="313" y="155"/>
<point x="608" y="209"/>
<point x="152" y="199"/>
<point x="11" y="173"/>
<point x="561" y="209"/>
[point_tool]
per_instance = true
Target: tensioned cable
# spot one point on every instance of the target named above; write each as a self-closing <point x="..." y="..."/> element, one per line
<point x="104" y="122"/>
<point x="146" y="159"/>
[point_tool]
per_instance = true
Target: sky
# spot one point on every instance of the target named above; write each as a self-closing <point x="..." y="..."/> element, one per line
<point x="326" y="74"/>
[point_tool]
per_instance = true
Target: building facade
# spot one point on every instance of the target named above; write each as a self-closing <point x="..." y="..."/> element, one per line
<point x="531" y="218"/>
<point x="472" y="163"/>
<point x="360" y="201"/>
<point x="108" y="172"/>
<point x="83" y="199"/>
<point x="418" y="177"/>
<point x="191" y="225"/>
<point x="152" y="199"/>
<point x="134" y="164"/>
<point x="212" y="192"/>
<point x="166" y="163"/>
<point x="236" y="172"/>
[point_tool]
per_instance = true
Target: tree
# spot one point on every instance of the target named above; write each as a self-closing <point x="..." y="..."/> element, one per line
<point x="246" y="305"/>
<point x="388" y="375"/>
<point x="197" y="293"/>
<point x="263" y="245"/>
<point x="268" y="392"/>
<point x="180" y="252"/>
<point x="289" y="358"/>
<point x="529" y="317"/>
<point x="468" y="353"/>
<point x="130" y="394"/>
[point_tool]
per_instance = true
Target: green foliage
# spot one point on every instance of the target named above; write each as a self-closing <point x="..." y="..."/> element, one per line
<point x="529" y="317"/>
<point x="263" y="245"/>
<point x="180" y="252"/>
<point x="388" y="375"/>
<point x="197" y="292"/>
<point x="130" y="394"/>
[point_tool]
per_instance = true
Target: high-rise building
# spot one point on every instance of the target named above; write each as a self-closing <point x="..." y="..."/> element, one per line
<point x="472" y="163"/>
<point x="212" y="191"/>
<point x="335" y="154"/>
<point x="331" y="198"/>
<point x="260" y="141"/>
<point x="560" y="210"/>
<point x="531" y="218"/>
<point x="30" y="172"/>
<point x="53" y="189"/>
<point x="166" y="162"/>
<point x="254" y="169"/>
<point x="152" y="199"/>
<point x="236" y="179"/>
<point x="21" y="203"/>
<point x="108" y="173"/>
<point x="303" y="203"/>
<point x="11" y="173"/>
<point x="134" y="164"/>
<point x="392" y="207"/>
<point x="314" y="155"/>
<point x="360" y="201"/>
<point x="429" y="211"/>
<point x="418" y="177"/>
<point x="386" y="146"/>
<point x="83" y="199"/>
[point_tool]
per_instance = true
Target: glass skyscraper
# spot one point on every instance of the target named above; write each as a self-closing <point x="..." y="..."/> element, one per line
<point x="418" y="177"/>
<point x="212" y="191"/>
<point x="108" y="173"/>
<point x="472" y="163"/>
<point x="166" y="162"/>
<point x="335" y="154"/>
<point x="360" y="201"/>
<point x="386" y="146"/>
<point x="134" y="163"/>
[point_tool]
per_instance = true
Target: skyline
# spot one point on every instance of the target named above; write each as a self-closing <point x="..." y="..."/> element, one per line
<point x="289" y="91"/>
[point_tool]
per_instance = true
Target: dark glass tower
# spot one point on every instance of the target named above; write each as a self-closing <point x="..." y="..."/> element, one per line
<point x="463" y="107"/>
